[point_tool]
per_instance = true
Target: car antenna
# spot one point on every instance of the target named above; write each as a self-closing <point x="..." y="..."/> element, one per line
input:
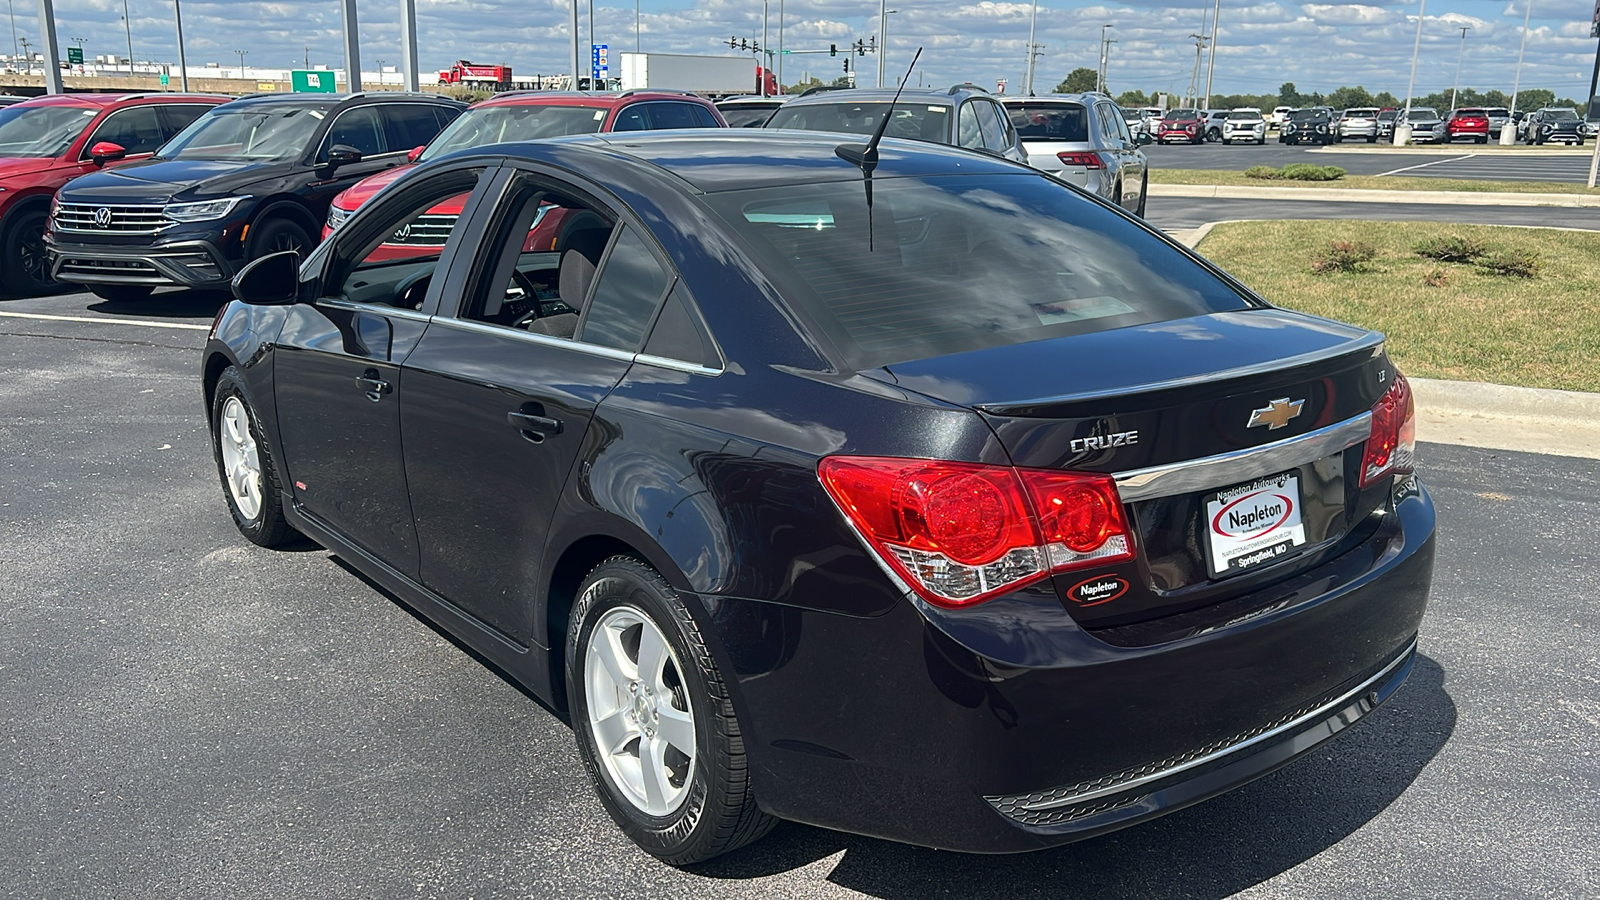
<point x="865" y="156"/>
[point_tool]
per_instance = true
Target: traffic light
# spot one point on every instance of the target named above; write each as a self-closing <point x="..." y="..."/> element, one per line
<point x="847" y="66"/>
<point x="833" y="49"/>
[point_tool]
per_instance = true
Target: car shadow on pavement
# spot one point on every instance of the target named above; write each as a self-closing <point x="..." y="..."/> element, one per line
<point x="1214" y="849"/>
<point x="168" y="304"/>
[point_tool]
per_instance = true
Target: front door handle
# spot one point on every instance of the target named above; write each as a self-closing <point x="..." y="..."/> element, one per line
<point x="372" y="385"/>
<point x="533" y="428"/>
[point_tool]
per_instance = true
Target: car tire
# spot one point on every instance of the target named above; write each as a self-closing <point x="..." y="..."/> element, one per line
<point x="24" y="265"/>
<point x="701" y="806"/>
<point x="244" y="463"/>
<point x="276" y="235"/>
<point x="121" y="293"/>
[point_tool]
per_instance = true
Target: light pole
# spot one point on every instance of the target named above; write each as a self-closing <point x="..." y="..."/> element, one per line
<point x="883" y="40"/>
<point x="1463" y="52"/>
<point x="1027" y="80"/>
<point x="636" y="26"/>
<point x="1402" y="125"/>
<point x="127" y="29"/>
<point x="12" y="7"/>
<point x="380" y="70"/>
<point x="1211" y="53"/>
<point x="780" y="46"/>
<point x="1105" y="50"/>
<point x="576" y="72"/>
<point x="183" y="63"/>
<point x="762" y="57"/>
<point x="241" y="62"/>
<point x="1516" y="84"/>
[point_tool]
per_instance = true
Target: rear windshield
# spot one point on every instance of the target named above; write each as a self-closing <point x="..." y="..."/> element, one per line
<point x="502" y="124"/>
<point x="1050" y="122"/>
<point x="1250" y="116"/>
<point x="913" y="121"/>
<point x="951" y="263"/>
<point x="746" y="115"/>
<point x="1360" y="113"/>
<point x="38" y="131"/>
<point x="1421" y="114"/>
<point x="1474" y="113"/>
<point x="250" y="133"/>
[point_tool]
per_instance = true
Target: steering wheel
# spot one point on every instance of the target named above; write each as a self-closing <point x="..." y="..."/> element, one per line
<point x="530" y="295"/>
<point x="412" y="290"/>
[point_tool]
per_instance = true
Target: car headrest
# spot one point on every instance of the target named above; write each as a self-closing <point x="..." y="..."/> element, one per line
<point x="578" y="262"/>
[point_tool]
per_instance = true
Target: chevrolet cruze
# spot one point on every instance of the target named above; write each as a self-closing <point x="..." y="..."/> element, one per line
<point x="893" y="489"/>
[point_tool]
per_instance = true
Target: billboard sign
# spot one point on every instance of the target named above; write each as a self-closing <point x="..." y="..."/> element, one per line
<point x="602" y="67"/>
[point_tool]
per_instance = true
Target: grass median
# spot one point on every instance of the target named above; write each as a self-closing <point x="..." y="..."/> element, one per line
<point x="1444" y="320"/>
<point x="1223" y="178"/>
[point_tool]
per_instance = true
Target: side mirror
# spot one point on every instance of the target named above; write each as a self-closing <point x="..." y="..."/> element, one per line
<point x="1143" y="138"/>
<point x="272" y="280"/>
<point x="415" y="153"/>
<point x="105" y="152"/>
<point x="342" y="155"/>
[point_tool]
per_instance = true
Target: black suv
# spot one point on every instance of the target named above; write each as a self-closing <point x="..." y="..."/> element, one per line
<point x="248" y="178"/>
<point x="1552" y="125"/>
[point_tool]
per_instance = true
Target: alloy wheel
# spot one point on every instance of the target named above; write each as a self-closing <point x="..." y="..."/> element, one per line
<point x="639" y="711"/>
<point x="241" y="462"/>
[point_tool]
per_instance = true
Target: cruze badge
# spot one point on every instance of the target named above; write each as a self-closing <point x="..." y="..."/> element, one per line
<point x="102" y="217"/>
<point x="1105" y="441"/>
<point x="1276" y="414"/>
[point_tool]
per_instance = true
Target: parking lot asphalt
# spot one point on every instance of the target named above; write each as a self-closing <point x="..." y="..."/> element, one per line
<point x="1179" y="213"/>
<point x="186" y="715"/>
<point x="1465" y="161"/>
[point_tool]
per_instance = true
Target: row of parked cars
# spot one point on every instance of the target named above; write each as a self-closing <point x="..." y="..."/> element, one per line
<point x="127" y="193"/>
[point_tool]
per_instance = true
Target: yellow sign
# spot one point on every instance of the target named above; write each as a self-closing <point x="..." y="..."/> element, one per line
<point x="266" y="85"/>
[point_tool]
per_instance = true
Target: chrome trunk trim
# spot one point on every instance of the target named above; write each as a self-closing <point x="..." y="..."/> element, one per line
<point x="1226" y="469"/>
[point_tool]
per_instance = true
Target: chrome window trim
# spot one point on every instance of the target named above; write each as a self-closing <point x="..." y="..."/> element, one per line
<point x="667" y="362"/>
<point x="1323" y="711"/>
<point x="542" y="339"/>
<point x="1242" y="465"/>
<point x="378" y="308"/>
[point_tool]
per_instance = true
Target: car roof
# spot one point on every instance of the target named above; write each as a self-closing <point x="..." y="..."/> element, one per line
<point x="308" y="99"/>
<point x="587" y="99"/>
<point x="1077" y="99"/>
<point x="884" y="95"/>
<point x="754" y="101"/>
<point x="716" y="160"/>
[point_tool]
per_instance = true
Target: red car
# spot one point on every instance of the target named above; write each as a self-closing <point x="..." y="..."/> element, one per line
<point x="1181" y="125"/>
<point x="47" y="141"/>
<point x="1472" y="124"/>
<point x="523" y="116"/>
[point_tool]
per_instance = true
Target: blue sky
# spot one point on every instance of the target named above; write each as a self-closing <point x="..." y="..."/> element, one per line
<point x="1315" y="45"/>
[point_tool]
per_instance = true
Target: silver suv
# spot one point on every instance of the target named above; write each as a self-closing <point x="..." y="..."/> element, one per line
<point x="1360" y="122"/>
<point x="1084" y="140"/>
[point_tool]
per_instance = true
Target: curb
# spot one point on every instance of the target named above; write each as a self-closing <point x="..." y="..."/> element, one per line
<point x="1342" y="195"/>
<point x="1439" y="150"/>
<point x="1501" y="417"/>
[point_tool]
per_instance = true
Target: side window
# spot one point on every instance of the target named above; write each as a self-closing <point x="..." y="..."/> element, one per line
<point x="630" y="284"/>
<point x="540" y="261"/>
<point x="673" y="115"/>
<point x="631" y="118"/>
<point x="675" y="335"/>
<point x="137" y="130"/>
<point x="410" y="125"/>
<point x="968" y="132"/>
<point x="991" y="124"/>
<point x="703" y="117"/>
<point x="1119" y="125"/>
<point x="358" y="128"/>
<point x="390" y="260"/>
<point x="175" y="117"/>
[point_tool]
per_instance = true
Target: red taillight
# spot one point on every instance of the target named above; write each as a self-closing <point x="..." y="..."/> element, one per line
<point x="960" y="533"/>
<point x="1392" y="446"/>
<point x="1080" y="158"/>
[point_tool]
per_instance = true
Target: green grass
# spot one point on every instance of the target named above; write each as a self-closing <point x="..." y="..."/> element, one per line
<point x="1467" y="325"/>
<point x="1368" y="182"/>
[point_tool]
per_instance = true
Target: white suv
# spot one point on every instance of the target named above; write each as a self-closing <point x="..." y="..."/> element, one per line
<point x="1244" y="124"/>
<point x="1280" y="115"/>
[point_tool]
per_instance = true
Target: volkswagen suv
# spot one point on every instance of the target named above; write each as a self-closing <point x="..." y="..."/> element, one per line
<point x="1083" y="139"/>
<point x="47" y="141"/>
<point x="248" y="178"/>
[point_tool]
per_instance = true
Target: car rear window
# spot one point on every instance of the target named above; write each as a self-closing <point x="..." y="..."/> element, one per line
<point x="914" y="121"/>
<point x="501" y="124"/>
<point x="1474" y="113"/>
<point x="950" y="263"/>
<point x="1248" y="116"/>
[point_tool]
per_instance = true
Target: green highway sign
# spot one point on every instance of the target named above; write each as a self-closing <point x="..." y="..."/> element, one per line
<point x="306" y="81"/>
<point x="75" y="55"/>
<point x="165" y="79"/>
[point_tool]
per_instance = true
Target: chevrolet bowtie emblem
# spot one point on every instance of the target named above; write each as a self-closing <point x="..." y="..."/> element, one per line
<point x="1276" y="414"/>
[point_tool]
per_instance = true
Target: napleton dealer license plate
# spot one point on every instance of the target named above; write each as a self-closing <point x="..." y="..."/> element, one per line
<point x="1253" y="524"/>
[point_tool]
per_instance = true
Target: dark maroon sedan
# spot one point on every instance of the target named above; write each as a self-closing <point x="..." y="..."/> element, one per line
<point x="904" y="491"/>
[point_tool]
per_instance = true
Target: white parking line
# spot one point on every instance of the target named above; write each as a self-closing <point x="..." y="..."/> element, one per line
<point x="1427" y="164"/>
<point x="92" y="321"/>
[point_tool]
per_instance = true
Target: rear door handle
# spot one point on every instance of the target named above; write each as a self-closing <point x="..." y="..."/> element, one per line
<point x="533" y="428"/>
<point x="373" y="386"/>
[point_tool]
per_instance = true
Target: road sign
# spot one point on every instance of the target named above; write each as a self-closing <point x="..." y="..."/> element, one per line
<point x="306" y="81"/>
<point x="75" y="55"/>
<point x="602" y="69"/>
<point x="165" y="79"/>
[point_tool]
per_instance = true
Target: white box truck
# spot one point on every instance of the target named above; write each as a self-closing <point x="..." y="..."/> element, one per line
<point x="680" y="72"/>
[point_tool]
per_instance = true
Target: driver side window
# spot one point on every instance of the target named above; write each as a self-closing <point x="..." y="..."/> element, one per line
<point x="396" y="250"/>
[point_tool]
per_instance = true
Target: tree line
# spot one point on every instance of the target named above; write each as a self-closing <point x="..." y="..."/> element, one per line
<point x="1084" y="79"/>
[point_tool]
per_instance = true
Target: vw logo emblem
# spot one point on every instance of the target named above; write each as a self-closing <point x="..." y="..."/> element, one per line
<point x="102" y="217"/>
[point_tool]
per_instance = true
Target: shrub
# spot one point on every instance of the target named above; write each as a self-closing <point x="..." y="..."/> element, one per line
<point x="1344" y="256"/>
<point x="1513" y="263"/>
<point x="1267" y="173"/>
<point x="1438" y="276"/>
<point x="1310" y="172"/>
<point x="1452" y="248"/>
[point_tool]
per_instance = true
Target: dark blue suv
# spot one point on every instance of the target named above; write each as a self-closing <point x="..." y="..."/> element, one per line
<point x="249" y="178"/>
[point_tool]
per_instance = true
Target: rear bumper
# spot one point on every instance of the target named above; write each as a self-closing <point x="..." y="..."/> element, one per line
<point x="184" y="264"/>
<point x="1009" y="728"/>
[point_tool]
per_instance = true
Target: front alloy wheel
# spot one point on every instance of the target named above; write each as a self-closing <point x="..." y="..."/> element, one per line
<point x="244" y="463"/>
